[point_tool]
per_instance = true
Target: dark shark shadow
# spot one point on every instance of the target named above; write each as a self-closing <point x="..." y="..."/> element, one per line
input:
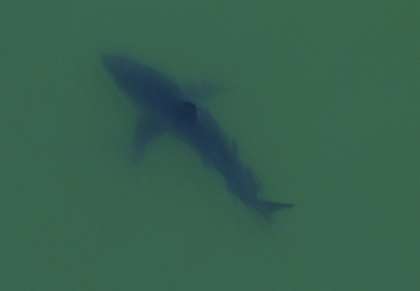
<point x="170" y="109"/>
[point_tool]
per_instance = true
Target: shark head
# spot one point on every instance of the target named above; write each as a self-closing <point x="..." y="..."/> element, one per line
<point x="129" y="76"/>
<point x="147" y="86"/>
<point x="121" y="68"/>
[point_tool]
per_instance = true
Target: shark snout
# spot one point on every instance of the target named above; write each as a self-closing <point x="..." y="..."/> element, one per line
<point x="111" y="62"/>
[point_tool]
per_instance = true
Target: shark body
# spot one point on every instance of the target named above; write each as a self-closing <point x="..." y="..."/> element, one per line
<point x="171" y="109"/>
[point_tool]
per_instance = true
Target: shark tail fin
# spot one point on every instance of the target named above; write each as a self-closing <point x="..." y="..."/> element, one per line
<point x="268" y="208"/>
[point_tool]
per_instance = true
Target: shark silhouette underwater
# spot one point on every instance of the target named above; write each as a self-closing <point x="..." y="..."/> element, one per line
<point x="171" y="109"/>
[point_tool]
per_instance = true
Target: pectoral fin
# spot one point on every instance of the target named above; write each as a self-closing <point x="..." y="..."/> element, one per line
<point x="147" y="131"/>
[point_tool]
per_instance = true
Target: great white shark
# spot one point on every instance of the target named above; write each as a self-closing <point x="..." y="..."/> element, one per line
<point x="170" y="108"/>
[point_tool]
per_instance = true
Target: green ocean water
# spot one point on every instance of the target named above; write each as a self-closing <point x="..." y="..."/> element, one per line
<point x="322" y="98"/>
